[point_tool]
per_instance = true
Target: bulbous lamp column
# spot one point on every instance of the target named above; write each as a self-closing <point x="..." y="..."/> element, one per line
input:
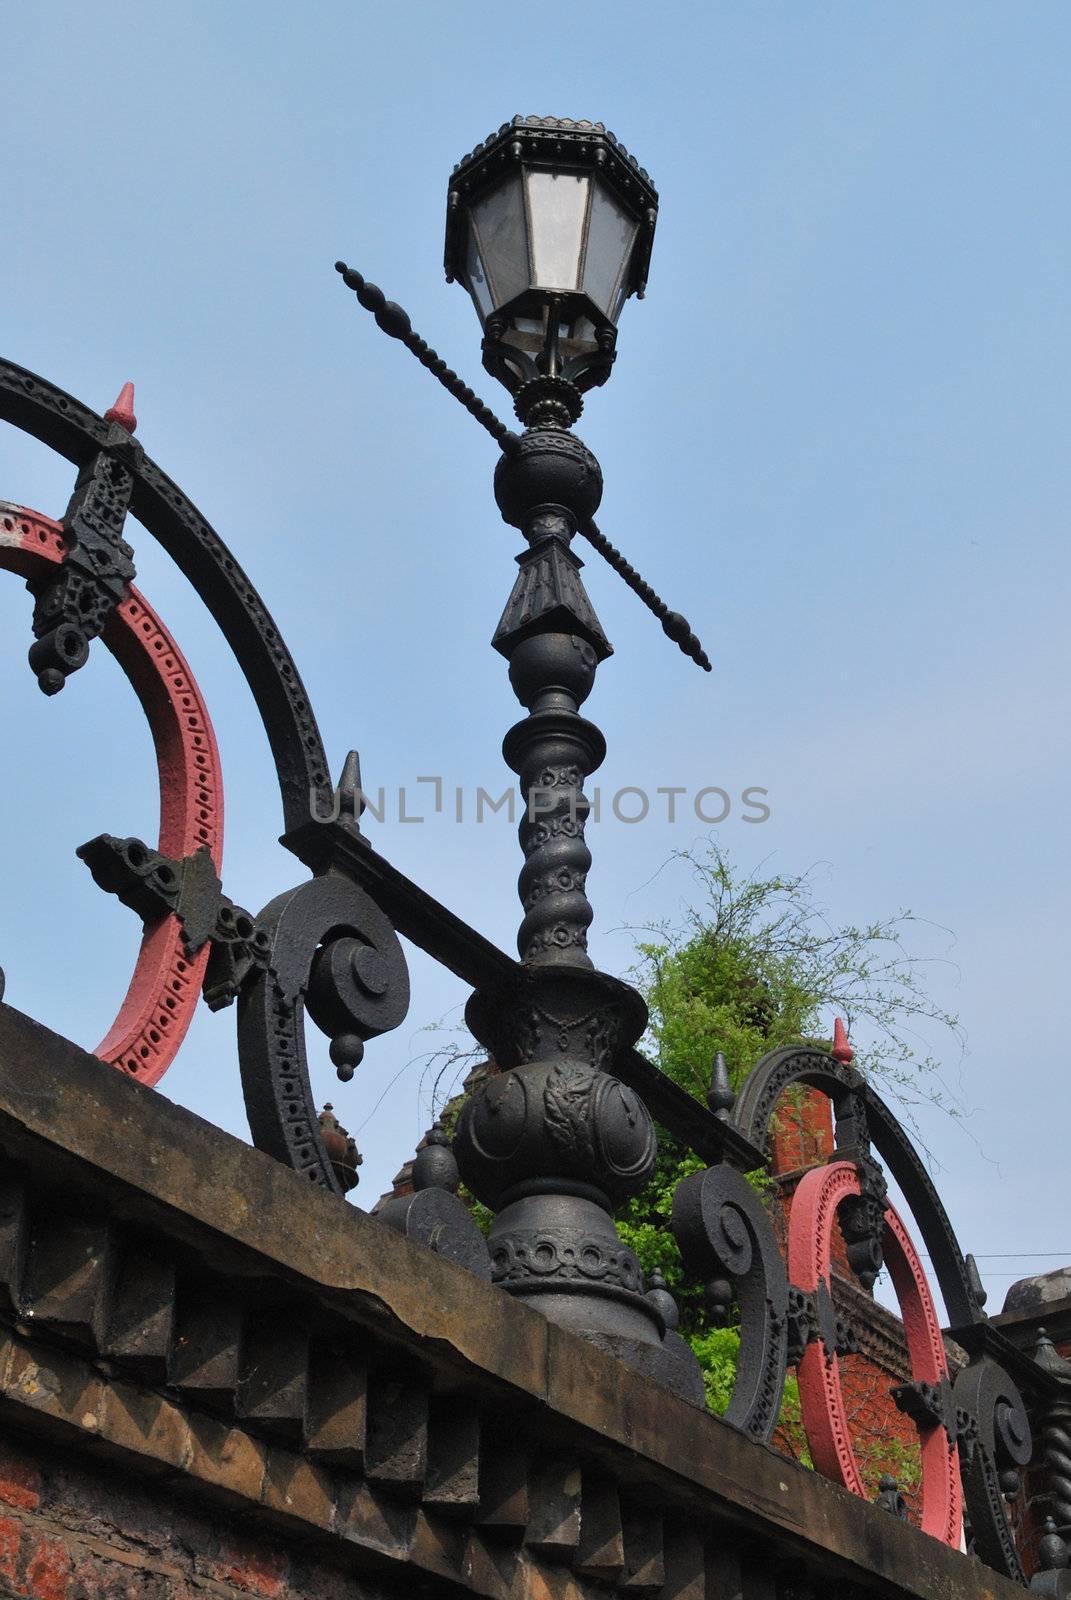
<point x="549" y="227"/>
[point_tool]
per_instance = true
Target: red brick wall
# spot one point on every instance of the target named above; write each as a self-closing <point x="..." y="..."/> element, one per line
<point x="75" y="1529"/>
<point x="802" y="1131"/>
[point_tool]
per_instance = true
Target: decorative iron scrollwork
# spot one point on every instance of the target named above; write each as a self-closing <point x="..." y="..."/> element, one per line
<point x="74" y="602"/>
<point x="81" y="572"/>
<point x="78" y="433"/>
<point x="863" y="1119"/>
<point x="723" y="1231"/>
<point x="152" y="884"/>
<point x="334" y="953"/>
<point x="1000" y="1438"/>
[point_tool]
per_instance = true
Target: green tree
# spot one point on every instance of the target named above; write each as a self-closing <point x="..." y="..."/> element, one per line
<point x="758" y="964"/>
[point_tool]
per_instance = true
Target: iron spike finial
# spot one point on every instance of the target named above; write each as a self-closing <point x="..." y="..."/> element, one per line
<point x="349" y="796"/>
<point x="721" y="1097"/>
<point x="842" y="1050"/>
<point x="122" y="411"/>
<point x="974" y="1281"/>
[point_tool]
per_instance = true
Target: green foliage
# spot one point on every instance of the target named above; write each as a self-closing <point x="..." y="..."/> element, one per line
<point x="717" y="1350"/>
<point x="790" y="1430"/>
<point x="757" y="965"/>
<point x="877" y="1454"/>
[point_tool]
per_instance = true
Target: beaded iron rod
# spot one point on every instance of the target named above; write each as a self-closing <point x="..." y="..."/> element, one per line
<point x="395" y="321"/>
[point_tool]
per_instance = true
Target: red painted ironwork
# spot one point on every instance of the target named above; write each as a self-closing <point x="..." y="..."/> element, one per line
<point x="842" y="1050"/>
<point x="165" y="986"/>
<point x="122" y="411"/>
<point x="825" y="1416"/>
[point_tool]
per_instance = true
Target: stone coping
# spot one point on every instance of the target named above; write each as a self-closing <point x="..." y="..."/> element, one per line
<point x="78" y="1127"/>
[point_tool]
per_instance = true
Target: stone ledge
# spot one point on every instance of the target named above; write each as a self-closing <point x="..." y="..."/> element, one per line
<point x="84" y="1134"/>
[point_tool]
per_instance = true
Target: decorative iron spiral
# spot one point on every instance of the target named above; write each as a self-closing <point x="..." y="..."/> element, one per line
<point x="723" y="1230"/>
<point x="1055" y="1444"/>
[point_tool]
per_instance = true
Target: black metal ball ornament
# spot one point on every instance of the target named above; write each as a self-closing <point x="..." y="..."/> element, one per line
<point x="347" y="1053"/>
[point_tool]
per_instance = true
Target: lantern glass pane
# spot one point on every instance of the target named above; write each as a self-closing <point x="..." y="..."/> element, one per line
<point x="558" y="205"/>
<point x="611" y="233"/>
<point x="497" y="220"/>
<point x="478" y="286"/>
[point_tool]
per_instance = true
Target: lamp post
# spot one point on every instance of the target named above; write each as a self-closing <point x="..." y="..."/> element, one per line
<point x="549" y="228"/>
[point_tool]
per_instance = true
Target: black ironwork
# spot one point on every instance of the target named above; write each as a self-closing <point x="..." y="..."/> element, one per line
<point x="996" y="1430"/>
<point x="151" y="883"/>
<point x="1050" y="1473"/>
<point x="73" y="604"/>
<point x="861" y="1219"/>
<point x="889" y="1497"/>
<point x="281" y="1106"/>
<point x="395" y="321"/>
<point x="721" y="1096"/>
<point x="985" y="1409"/>
<point x="554" y="1142"/>
<point x="73" y="430"/>
<point x="550" y="400"/>
<point x="723" y="1230"/>
<point x="557" y="1141"/>
<point x="862" y="1118"/>
<point x="928" y="1403"/>
<point x="433" y="1215"/>
<point x="1052" y="1576"/>
<point x="563" y="1132"/>
<point x="334" y="953"/>
<point x="674" y="626"/>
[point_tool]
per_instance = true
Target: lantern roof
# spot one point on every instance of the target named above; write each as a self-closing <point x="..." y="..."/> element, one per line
<point x="564" y="144"/>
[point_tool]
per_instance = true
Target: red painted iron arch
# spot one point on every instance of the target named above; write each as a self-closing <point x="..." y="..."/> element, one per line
<point x="165" y="986"/>
<point x="825" y="1416"/>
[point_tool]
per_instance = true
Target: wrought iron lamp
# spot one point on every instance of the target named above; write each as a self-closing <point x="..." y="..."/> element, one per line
<point x="549" y="227"/>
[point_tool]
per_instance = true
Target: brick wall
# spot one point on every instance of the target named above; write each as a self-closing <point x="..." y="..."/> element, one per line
<point x="75" y="1529"/>
<point x="215" y="1379"/>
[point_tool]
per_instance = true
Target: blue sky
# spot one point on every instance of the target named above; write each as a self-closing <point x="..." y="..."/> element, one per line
<point x="836" y="437"/>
